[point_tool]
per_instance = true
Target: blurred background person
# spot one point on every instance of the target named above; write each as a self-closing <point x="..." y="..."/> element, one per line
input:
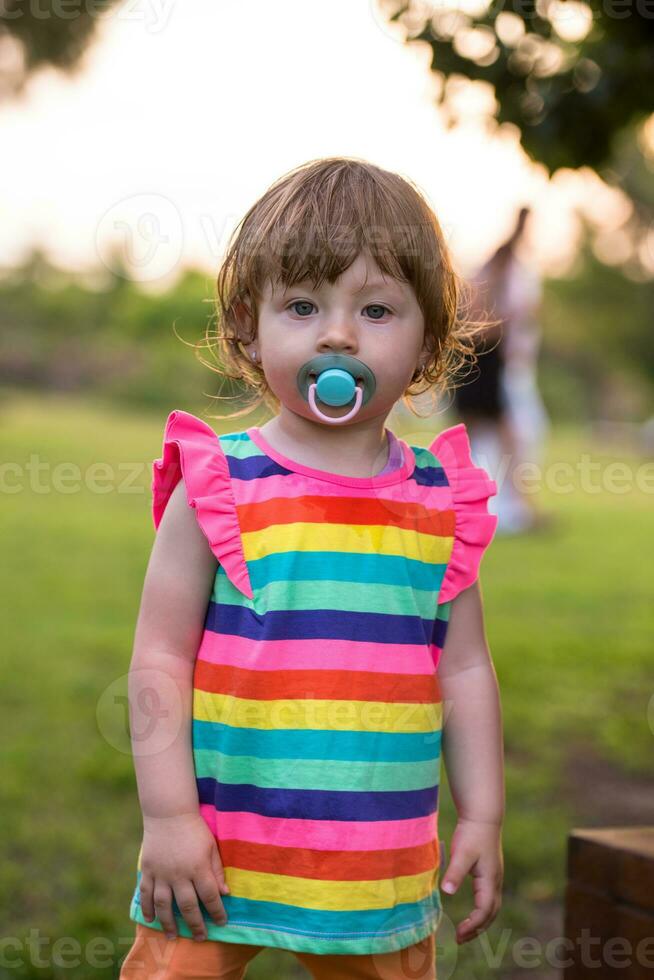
<point x="520" y="293"/>
<point x="499" y="401"/>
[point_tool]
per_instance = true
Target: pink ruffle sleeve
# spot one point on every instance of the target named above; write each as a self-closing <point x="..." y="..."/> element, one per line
<point x="471" y="486"/>
<point x="192" y="449"/>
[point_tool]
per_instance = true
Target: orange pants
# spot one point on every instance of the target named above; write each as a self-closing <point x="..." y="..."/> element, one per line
<point x="153" y="957"/>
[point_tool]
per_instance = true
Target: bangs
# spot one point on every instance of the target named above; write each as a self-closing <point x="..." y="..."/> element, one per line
<point x="315" y="230"/>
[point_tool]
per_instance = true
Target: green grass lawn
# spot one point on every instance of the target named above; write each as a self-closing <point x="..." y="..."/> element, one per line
<point x="568" y="618"/>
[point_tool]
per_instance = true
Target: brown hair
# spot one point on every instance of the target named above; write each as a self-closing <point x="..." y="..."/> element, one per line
<point x="312" y="223"/>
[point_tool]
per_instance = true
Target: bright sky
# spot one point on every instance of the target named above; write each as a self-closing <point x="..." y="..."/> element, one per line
<point x="184" y="113"/>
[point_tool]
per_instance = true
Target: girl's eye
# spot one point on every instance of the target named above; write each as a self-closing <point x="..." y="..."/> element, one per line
<point x="300" y="302"/>
<point x="377" y="306"/>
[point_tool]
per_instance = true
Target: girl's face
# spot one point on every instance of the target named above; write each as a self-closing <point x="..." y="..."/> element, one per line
<point x="378" y="321"/>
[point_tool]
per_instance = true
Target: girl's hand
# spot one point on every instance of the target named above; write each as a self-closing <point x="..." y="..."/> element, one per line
<point x="476" y="849"/>
<point x="180" y="856"/>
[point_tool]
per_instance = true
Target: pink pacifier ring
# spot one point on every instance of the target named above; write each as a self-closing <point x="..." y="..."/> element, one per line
<point x="343" y="418"/>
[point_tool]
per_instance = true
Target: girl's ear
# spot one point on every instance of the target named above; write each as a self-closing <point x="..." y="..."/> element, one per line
<point x="243" y="314"/>
<point x="423" y="360"/>
<point x="244" y="321"/>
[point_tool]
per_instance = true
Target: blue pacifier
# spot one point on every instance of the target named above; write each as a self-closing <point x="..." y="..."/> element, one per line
<point x="336" y="379"/>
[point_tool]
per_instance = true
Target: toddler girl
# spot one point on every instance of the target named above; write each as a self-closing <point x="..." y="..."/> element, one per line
<point x="311" y="631"/>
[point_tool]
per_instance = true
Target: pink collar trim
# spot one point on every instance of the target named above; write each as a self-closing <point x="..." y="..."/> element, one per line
<point x="383" y="479"/>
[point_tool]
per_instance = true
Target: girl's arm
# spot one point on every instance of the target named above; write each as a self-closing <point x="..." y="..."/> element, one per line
<point x="472" y="747"/>
<point x="179" y="853"/>
<point x="176" y="590"/>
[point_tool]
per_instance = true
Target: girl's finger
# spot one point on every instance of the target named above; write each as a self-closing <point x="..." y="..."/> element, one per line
<point x="163" y="899"/>
<point x="187" y="899"/>
<point x="459" y="866"/>
<point x="219" y="871"/>
<point x="208" y="890"/>
<point x="482" y="913"/>
<point x="473" y="922"/>
<point x="470" y="928"/>
<point x="145" y="892"/>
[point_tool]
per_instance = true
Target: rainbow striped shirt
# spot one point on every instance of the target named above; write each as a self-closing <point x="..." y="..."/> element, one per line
<point x="317" y="710"/>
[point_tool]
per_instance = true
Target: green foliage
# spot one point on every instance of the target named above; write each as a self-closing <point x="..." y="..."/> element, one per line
<point x="598" y="351"/>
<point x="54" y="33"/>
<point x="121" y="343"/>
<point x="568" y="95"/>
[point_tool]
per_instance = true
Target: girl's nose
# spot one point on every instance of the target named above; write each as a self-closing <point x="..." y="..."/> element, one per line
<point x="339" y="339"/>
